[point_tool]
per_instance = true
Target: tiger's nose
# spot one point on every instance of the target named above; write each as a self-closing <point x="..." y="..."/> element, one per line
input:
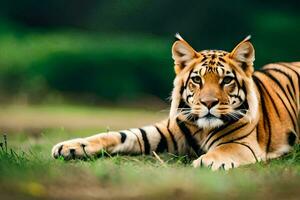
<point x="210" y="102"/>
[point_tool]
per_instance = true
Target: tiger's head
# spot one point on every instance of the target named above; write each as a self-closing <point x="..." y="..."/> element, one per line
<point x="213" y="87"/>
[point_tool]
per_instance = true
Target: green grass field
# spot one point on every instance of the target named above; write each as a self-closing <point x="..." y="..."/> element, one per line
<point x="27" y="170"/>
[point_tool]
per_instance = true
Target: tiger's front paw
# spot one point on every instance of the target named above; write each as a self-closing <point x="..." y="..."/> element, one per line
<point x="215" y="162"/>
<point x="72" y="149"/>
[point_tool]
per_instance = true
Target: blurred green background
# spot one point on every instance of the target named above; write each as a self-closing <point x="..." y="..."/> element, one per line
<point x="119" y="52"/>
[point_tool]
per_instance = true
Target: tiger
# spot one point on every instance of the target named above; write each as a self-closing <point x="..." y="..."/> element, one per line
<point x="222" y="111"/>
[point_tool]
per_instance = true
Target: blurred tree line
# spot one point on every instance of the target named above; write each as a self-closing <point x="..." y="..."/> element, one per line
<point x="116" y="51"/>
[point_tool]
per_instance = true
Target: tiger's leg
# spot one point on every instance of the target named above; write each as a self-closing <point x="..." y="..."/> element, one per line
<point x="133" y="141"/>
<point x="228" y="155"/>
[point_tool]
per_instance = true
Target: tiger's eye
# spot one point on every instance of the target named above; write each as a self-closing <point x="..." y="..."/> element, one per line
<point x="227" y="79"/>
<point x="196" y="79"/>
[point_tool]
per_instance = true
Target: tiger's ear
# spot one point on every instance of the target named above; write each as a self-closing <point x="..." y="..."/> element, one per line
<point x="244" y="54"/>
<point x="182" y="53"/>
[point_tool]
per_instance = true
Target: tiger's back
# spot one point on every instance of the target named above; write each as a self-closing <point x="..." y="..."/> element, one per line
<point x="278" y="86"/>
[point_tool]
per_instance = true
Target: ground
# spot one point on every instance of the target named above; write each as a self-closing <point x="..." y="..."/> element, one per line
<point x="27" y="170"/>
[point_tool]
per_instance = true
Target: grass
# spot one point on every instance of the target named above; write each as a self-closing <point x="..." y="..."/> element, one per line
<point x="27" y="171"/>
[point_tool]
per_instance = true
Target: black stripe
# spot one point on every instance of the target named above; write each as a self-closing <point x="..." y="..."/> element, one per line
<point x="260" y="87"/>
<point x="245" y="105"/>
<point x="245" y="145"/>
<point x="138" y="139"/>
<point x="192" y="142"/>
<point x="291" y="93"/>
<point x="123" y="137"/>
<point x="222" y="59"/>
<point x="200" y="151"/>
<point x="162" y="145"/>
<point x="281" y="87"/>
<point x="182" y="104"/>
<point x="187" y="80"/>
<point x="269" y="75"/>
<point x="239" y="138"/>
<point x="188" y="97"/>
<point x="197" y="131"/>
<point x="173" y="138"/>
<point x="255" y="157"/>
<point x="181" y="90"/>
<point x="258" y="133"/>
<point x="200" y="71"/>
<point x="290" y="114"/>
<point x="236" y="80"/>
<point x="284" y="74"/>
<point x="286" y="66"/>
<point x="184" y="86"/>
<point x="225" y="134"/>
<point x="223" y="70"/>
<point x="293" y="70"/>
<point x="236" y="96"/>
<point x="146" y="141"/>
<point x="244" y="89"/>
<point x="203" y="59"/>
<point x="221" y="66"/>
<point x="215" y="131"/>
<point x="292" y="138"/>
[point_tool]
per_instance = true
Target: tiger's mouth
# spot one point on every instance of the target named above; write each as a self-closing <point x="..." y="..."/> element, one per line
<point x="209" y="116"/>
<point x="213" y="120"/>
<point x="209" y="121"/>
